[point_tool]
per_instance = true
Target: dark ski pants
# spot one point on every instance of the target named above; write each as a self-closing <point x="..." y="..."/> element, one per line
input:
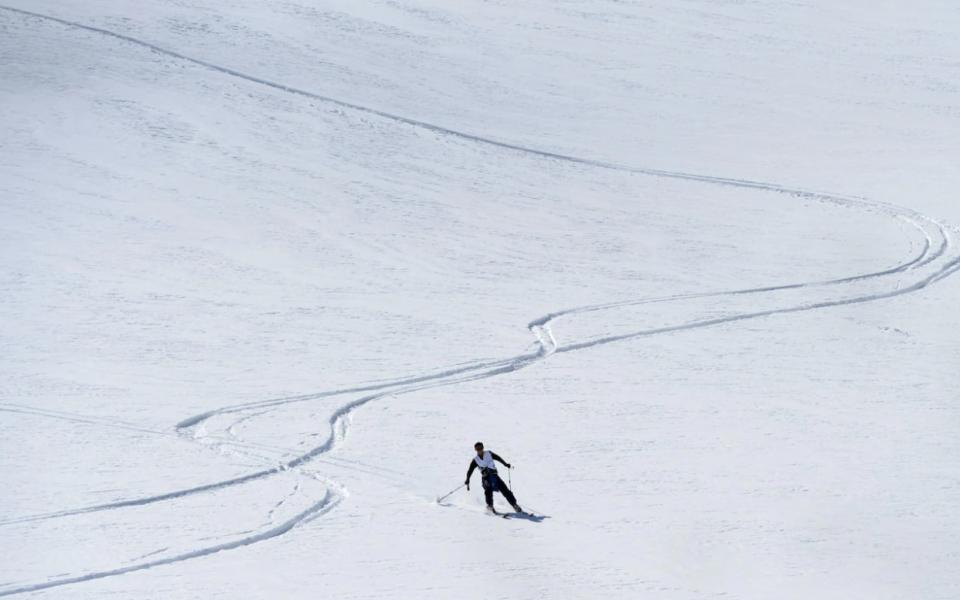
<point x="492" y="483"/>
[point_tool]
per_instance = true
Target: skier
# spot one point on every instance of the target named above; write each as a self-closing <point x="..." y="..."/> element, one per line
<point x="491" y="480"/>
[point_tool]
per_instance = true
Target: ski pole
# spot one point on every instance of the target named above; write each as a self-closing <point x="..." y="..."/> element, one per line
<point x="451" y="492"/>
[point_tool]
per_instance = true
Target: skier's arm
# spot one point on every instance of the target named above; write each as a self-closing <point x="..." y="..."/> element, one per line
<point x="473" y="465"/>
<point x="497" y="458"/>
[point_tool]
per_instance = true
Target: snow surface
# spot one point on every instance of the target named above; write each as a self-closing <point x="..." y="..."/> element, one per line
<point x="268" y="270"/>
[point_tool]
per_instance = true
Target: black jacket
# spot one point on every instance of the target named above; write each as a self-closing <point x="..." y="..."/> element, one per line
<point x="473" y="465"/>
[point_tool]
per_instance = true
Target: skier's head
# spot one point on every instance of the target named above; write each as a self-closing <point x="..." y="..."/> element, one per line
<point x="478" y="447"/>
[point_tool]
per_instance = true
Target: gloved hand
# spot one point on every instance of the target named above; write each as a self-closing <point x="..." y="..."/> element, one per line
<point x="467" y="483"/>
<point x="509" y="466"/>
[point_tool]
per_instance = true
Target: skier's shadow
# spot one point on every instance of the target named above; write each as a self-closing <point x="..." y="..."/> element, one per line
<point x="529" y="517"/>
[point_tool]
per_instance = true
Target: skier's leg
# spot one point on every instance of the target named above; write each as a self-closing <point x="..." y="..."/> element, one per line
<point x="488" y="491"/>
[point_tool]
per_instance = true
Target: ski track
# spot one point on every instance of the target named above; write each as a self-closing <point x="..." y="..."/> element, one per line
<point x="546" y="343"/>
<point x="327" y="503"/>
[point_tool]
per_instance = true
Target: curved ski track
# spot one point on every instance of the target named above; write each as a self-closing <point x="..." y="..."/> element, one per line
<point x="937" y="245"/>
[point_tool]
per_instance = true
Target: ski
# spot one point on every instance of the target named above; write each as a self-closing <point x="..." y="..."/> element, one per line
<point x="522" y="514"/>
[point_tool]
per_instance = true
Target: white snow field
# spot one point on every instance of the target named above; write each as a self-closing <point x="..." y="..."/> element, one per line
<point x="269" y="269"/>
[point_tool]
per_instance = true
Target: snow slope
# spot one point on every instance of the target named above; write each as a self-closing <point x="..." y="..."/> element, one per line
<point x="268" y="271"/>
